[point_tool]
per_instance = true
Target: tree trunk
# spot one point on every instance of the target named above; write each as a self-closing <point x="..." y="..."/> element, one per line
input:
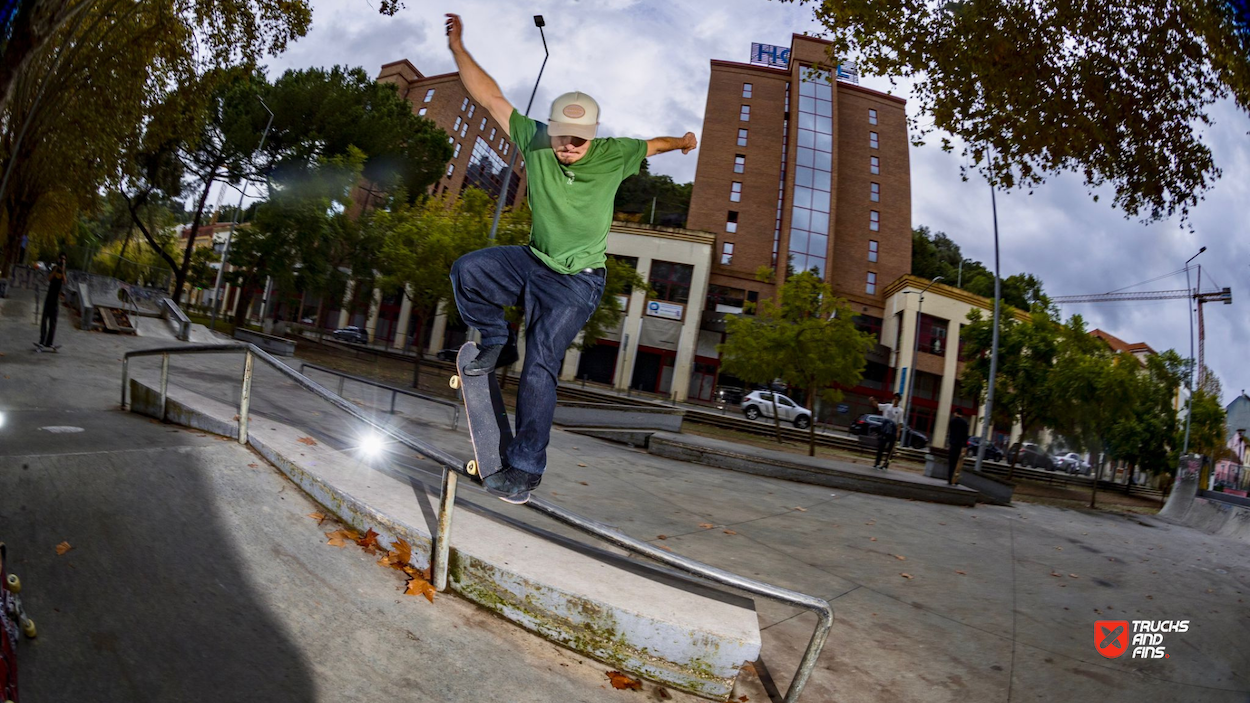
<point x="133" y="207"/>
<point x="122" y="255"/>
<point x="180" y="272"/>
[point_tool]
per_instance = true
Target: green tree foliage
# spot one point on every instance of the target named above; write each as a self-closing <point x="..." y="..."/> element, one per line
<point x="637" y="193"/>
<point x="1118" y="92"/>
<point x="808" y="339"/>
<point x="935" y="254"/>
<point x="621" y="280"/>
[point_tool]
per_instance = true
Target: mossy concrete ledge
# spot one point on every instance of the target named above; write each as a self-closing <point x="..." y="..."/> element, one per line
<point x="613" y="610"/>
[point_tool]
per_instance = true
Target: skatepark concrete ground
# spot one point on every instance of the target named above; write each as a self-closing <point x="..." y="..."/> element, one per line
<point x="193" y="571"/>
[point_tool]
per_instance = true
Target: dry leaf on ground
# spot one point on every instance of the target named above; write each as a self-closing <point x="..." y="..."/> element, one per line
<point x="801" y="510"/>
<point x="319" y="517"/>
<point x="62" y="548"/>
<point x="369" y="540"/>
<point x="730" y="532"/>
<point x="665" y="548"/>
<point x="583" y="483"/>
<point x="1056" y="574"/>
<point x="1074" y="576"/>
<point x="339" y="538"/>
<point x="621" y="681"/>
<point x="961" y="573"/>
<point x="900" y="557"/>
<point x="906" y="576"/>
<point x="420" y="587"/>
<point x="706" y="525"/>
<point x="253" y="466"/>
<point x="872" y="539"/>
<point x="744" y="699"/>
<point x="582" y="465"/>
<point x="661" y="536"/>
<point x="307" y="440"/>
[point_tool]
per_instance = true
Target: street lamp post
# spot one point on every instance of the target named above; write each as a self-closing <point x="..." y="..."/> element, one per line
<point x="1189" y="382"/>
<point x="915" y="351"/>
<point x="998" y="295"/>
<point x="507" y="175"/>
<point x="225" y="253"/>
<point x="960" y="280"/>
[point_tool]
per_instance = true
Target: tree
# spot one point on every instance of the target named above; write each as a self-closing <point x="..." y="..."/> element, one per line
<point x="808" y="339"/>
<point x="1118" y="92"/>
<point x="621" y="280"/>
<point x="642" y="191"/>
<point x="935" y="254"/>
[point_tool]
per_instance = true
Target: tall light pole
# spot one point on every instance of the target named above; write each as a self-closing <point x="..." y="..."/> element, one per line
<point x="960" y="280"/>
<point x="225" y="253"/>
<point x="915" y="351"/>
<point x="507" y="175"/>
<point x="1189" y="382"/>
<point x="998" y="295"/>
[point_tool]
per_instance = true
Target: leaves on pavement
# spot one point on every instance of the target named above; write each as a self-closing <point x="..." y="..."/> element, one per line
<point x="307" y="440"/>
<point x="900" y="557"/>
<point x="418" y="586"/>
<point x="706" y="525"/>
<point x="801" y="510"/>
<point x="730" y="532"/>
<point x="622" y="682"/>
<point x="319" y="517"/>
<point x="62" y="548"/>
<point x="906" y="576"/>
<point x="339" y="538"/>
<point x="961" y="573"/>
<point x="369" y="541"/>
<point x="661" y="536"/>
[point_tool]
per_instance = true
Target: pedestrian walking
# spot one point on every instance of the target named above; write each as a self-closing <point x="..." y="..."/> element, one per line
<point x="559" y="277"/>
<point x="891" y="426"/>
<point x="956" y="445"/>
<point x="51" y="307"/>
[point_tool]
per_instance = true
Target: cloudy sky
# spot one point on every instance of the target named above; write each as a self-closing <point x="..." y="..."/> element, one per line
<point x="647" y="64"/>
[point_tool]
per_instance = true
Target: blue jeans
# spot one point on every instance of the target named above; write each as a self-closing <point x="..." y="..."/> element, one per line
<point x="556" y="307"/>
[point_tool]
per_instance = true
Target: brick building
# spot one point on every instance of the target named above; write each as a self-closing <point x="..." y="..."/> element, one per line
<point x="799" y="170"/>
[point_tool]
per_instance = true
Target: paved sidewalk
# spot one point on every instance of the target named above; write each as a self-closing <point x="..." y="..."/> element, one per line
<point x="985" y="604"/>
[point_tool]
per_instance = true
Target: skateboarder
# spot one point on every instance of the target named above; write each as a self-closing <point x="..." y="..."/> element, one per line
<point x="559" y="276"/>
<point x="51" y="305"/>
<point x="890" y="429"/>
<point x="956" y="443"/>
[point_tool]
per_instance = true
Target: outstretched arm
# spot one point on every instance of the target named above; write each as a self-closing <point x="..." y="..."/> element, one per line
<point x="659" y="145"/>
<point x="482" y="88"/>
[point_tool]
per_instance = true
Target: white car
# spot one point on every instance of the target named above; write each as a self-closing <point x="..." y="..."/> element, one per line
<point x="760" y="404"/>
<point x="1072" y="463"/>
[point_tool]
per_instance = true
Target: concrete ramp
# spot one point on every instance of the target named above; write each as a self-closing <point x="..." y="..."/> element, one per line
<point x="642" y="620"/>
<point x="1190" y="506"/>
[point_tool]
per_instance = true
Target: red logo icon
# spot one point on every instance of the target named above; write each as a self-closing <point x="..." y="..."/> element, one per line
<point x="1111" y="637"/>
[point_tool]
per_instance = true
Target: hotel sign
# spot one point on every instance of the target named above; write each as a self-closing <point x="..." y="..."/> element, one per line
<point x="770" y="55"/>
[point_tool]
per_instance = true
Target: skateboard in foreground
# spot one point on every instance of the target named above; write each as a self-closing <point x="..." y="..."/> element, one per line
<point x="489" y="429"/>
<point x="12" y="617"/>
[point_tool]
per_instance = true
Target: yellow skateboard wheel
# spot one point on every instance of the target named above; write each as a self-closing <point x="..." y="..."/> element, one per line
<point x="14" y="584"/>
<point x="471" y="467"/>
<point x="454" y="382"/>
<point x="28" y="628"/>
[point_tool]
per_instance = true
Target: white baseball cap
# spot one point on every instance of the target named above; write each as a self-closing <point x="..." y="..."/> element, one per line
<point x="574" y="115"/>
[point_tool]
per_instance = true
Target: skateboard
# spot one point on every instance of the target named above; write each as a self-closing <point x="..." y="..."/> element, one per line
<point x="489" y="429"/>
<point x="12" y="616"/>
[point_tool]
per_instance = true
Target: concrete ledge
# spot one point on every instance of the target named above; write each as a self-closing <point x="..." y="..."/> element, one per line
<point x="274" y="345"/>
<point x="614" y="610"/>
<point x="820" y="472"/>
<point x="613" y="416"/>
<point x="631" y="438"/>
<point x="992" y="490"/>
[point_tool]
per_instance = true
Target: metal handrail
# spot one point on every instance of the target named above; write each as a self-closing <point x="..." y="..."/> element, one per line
<point x="451" y="465"/>
<point x="455" y="407"/>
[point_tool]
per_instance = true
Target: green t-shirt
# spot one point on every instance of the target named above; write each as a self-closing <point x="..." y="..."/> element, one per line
<point x="573" y="205"/>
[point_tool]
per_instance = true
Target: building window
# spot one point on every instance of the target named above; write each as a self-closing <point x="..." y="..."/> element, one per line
<point x="457" y="125"/>
<point x="874" y="165"/>
<point x="727" y="254"/>
<point x="506" y="146"/>
<point x="745" y="114"/>
<point x="483" y="125"/>
<point x="735" y="192"/>
<point x="484" y="169"/>
<point x="421" y="112"/>
<point x="429" y="95"/>
<point x="874" y="220"/>
<point x="450" y="168"/>
<point x="731" y="223"/>
<point x="471" y="109"/>
<point x="869" y="324"/>
<point x="465" y="129"/>
<point x="873" y="142"/>
<point x="872" y="117"/>
<point x="492" y="134"/>
<point x="740" y="163"/>
<point x="451" y="140"/>
<point x="464" y="104"/>
<point x="933" y="335"/>
<point x="871" y="288"/>
<point x="456" y="154"/>
<point x="813" y="175"/>
<point x="742" y="137"/>
<point x="671" y="282"/>
<point x="746" y="90"/>
<point x="874" y="192"/>
<point x="872" y="250"/>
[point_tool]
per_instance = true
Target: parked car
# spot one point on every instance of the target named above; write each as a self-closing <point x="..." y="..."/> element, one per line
<point x="868" y="424"/>
<point x="1031" y="455"/>
<point x="758" y="404"/>
<point x="353" y="334"/>
<point x="1073" y="463"/>
<point x="992" y="452"/>
<point x="728" y="395"/>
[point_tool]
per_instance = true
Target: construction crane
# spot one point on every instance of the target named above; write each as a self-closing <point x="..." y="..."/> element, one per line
<point x="1224" y="295"/>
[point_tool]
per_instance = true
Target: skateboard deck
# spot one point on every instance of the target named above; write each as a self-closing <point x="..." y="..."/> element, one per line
<point x="12" y="616"/>
<point x="489" y="429"/>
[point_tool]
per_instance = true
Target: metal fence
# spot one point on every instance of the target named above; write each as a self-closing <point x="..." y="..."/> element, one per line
<point x="453" y="466"/>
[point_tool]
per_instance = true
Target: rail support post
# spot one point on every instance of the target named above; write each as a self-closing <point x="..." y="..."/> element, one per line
<point x="442" y="543"/>
<point x="164" y="383"/>
<point x="245" y="398"/>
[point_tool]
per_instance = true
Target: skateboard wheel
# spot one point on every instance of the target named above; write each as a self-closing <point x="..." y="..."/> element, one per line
<point x="14" y="584"/>
<point x="471" y="467"/>
<point x="28" y="628"/>
<point x="454" y="382"/>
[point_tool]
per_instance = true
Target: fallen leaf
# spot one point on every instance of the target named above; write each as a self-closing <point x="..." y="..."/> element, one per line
<point x="319" y="517"/>
<point x="420" y="587"/>
<point x="744" y="699"/>
<point x="583" y="483"/>
<point x="661" y="536"/>
<point x="906" y="576"/>
<point x="961" y="573"/>
<point x="941" y="523"/>
<point x="307" y="440"/>
<point x="1056" y="574"/>
<point x="664" y="548"/>
<point x="749" y="668"/>
<point x="339" y="538"/>
<point x="622" y="682"/>
<point x="1150" y="597"/>
<point x="369" y="540"/>
<point x="872" y="539"/>
<point x="900" y="557"/>
<point x="1059" y="549"/>
<point x="582" y="465"/>
<point x="252" y="466"/>
<point x="402" y="553"/>
<point x="62" y="548"/>
<point x="706" y="525"/>
<point x="730" y="532"/>
<point x="801" y="510"/>
<point x="1073" y="576"/>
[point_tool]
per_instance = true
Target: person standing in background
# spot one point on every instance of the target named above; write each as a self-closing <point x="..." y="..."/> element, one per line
<point x="956" y="443"/>
<point x="51" y="306"/>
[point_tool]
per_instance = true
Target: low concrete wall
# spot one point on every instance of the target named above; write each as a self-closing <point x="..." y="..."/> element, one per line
<point x="274" y="345"/>
<point x="992" y="490"/>
<point x="630" y="438"/>
<point x="810" y="471"/>
<point x="608" y="415"/>
<point x="592" y="601"/>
